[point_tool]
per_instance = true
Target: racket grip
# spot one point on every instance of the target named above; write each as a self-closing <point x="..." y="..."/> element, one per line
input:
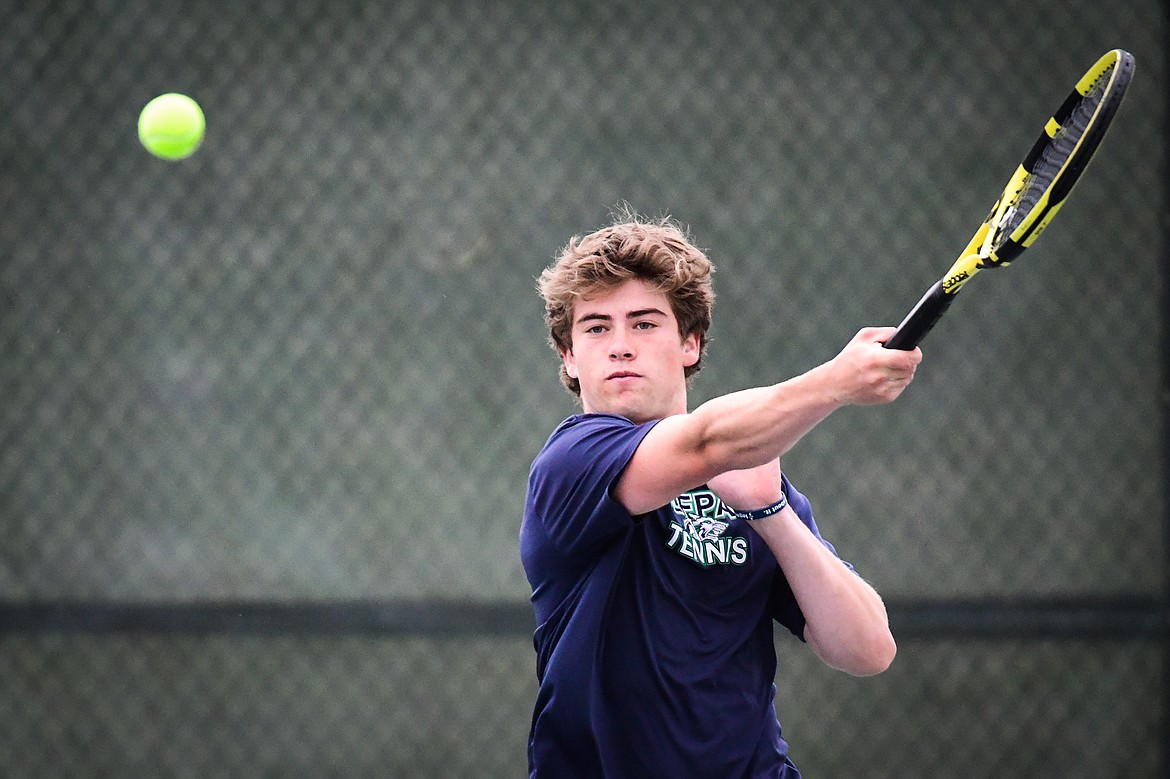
<point x="921" y="319"/>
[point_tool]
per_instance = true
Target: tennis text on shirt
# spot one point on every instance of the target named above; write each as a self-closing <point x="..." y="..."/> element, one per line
<point x="697" y="532"/>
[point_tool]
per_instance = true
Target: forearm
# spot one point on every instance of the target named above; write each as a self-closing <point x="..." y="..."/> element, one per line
<point x="751" y="427"/>
<point x="747" y="429"/>
<point x="846" y="621"/>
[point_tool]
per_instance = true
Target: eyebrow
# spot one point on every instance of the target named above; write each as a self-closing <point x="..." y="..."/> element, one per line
<point x="641" y="312"/>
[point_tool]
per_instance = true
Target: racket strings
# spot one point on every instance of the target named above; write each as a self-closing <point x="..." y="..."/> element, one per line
<point x="1053" y="158"/>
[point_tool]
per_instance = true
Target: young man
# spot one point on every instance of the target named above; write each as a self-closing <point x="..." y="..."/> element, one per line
<point x="661" y="544"/>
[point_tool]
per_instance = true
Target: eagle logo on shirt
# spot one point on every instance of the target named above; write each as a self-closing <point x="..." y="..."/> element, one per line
<point x="697" y="532"/>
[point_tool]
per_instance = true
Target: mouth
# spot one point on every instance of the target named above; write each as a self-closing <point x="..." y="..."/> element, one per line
<point x="623" y="375"/>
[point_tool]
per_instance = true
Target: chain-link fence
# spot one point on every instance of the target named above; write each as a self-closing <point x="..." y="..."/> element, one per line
<point x="307" y="365"/>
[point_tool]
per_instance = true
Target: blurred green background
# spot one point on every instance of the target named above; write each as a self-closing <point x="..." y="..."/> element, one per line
<point x="306" y="368"/>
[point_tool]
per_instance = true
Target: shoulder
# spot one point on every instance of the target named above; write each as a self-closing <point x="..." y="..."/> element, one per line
<point x="592" y="435"/>
<point x="569" y="487"/>
<point x="586" y="449"/>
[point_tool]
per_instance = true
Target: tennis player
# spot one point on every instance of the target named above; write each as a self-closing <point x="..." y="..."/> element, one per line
<point x="661" y="544"/>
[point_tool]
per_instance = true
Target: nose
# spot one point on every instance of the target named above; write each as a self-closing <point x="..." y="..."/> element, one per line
<point x="619" y="346"/>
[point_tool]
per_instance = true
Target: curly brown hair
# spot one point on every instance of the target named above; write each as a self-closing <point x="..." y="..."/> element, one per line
<point x="659" y="252"/>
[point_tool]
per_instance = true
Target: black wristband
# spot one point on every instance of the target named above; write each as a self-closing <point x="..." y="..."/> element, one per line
<point x="766" y="511"/>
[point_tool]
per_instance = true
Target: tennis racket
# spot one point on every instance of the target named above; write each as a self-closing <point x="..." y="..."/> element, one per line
<point x="1035" y="192"/>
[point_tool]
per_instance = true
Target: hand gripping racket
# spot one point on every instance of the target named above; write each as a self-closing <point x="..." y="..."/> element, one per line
<point x="1035" y="192"/>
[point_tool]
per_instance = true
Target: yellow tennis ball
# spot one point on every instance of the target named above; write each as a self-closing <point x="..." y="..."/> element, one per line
<point x="171" y="126"/>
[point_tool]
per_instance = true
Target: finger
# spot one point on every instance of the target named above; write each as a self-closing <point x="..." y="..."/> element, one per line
<point x="876" y="335"/>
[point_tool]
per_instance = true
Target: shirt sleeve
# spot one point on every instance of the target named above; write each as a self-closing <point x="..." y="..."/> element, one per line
<point x="785" y="609"/>
<point x="572" y="479"/>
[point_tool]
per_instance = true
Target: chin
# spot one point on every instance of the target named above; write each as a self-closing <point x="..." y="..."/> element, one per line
<point x="628" y="411"/>
<point x="634" y="412"/>
<point x="633" y="406"/>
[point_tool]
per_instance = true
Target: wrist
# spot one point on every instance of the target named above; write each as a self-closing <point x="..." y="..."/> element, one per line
<point x="766" y="511"/>
<point x="825" y="387"/>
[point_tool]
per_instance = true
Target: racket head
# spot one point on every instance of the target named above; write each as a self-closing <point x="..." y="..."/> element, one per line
<point x="1042" y="182"/>
<point x="1035" y="192"/>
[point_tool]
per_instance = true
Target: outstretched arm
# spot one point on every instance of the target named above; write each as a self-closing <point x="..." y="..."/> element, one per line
<point x="752" y="427"/>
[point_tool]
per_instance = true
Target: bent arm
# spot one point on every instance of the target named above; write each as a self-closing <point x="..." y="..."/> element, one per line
<point x="845" y="620"/>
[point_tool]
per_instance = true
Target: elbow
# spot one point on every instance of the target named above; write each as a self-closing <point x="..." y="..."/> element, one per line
<point x="877" y="656"/>
<point x="864" y="655"/>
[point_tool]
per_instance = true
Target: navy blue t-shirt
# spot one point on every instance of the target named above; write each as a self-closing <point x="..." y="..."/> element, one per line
<point x="654" y="645"/>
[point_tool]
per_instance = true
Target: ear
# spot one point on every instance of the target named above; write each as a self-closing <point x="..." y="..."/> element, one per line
<point x="691" y="349"/>
<point x="570" y="363"/>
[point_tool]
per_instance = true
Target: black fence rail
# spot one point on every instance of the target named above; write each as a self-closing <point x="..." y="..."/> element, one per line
<point x="1115" y="619"/>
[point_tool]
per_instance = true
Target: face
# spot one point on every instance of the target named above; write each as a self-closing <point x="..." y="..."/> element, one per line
<point x="628" y="355"/>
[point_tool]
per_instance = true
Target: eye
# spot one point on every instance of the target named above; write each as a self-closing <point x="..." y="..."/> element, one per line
<point x="595" y="329"/>
<point x="645" y="325"/>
